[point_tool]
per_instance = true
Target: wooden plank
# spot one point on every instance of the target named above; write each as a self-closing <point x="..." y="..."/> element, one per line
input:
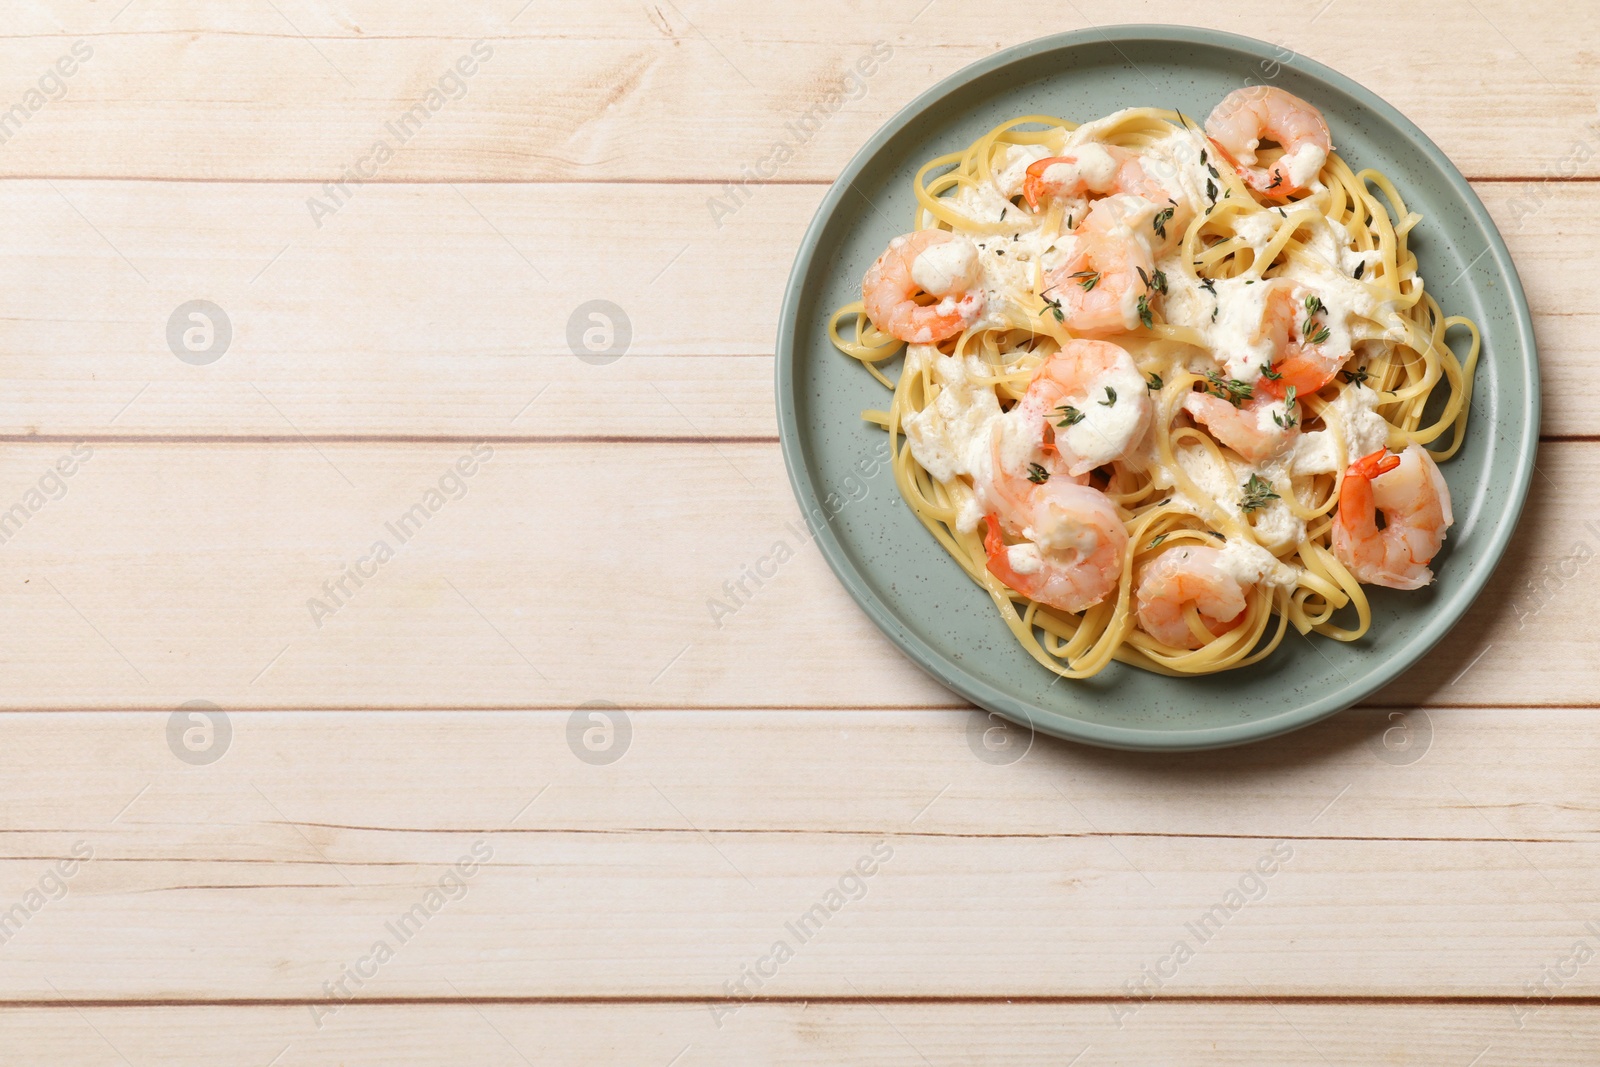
<point x="694" y="90"/>
<point x="268" y="872"/>
<point x="565" y="573"/>
<point x="432" y="310"/>
<point x="820" y="1034"/>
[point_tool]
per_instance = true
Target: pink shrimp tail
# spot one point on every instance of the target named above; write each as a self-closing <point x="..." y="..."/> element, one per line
<point x="1357" y="506"/>
<point x="1227" y="155"/>
<point x="1378" y="463"/>
<point x="1307" y="377"/>
<point x="995" y="547"/>
<point x="1033" y="181"/>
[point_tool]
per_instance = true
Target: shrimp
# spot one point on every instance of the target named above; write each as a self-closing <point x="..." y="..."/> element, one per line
<point x="1257" y="429"/>
<point x="1181" y="577"/>
<point x="1089" y="169"/>
<point x="1091" y="402"/>
<point x="1073" y="547"/>
<point x="1415" y="502"/>
<point x="1099" y="284"/>
<point x="1246" y="117"/>
<point x="1154" y="222"/>
<point x="935" y="262"/>
<point x="1308" y="359"/>
<point x="1020" y="460"/>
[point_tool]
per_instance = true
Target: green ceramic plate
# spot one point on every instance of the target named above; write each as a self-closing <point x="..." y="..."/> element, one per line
<point x="921" y="599"/>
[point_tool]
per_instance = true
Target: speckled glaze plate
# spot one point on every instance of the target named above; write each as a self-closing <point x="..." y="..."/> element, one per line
<point x="922" y="600"/>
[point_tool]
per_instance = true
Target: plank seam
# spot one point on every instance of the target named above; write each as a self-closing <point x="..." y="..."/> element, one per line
<point x="422" y="709"/>
<point x="1482" y="179"/>
<point x="997" y="999"/>
<point x="458" y="439"/>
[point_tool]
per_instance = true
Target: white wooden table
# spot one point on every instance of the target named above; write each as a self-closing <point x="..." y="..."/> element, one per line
<point x="394" y="846"/>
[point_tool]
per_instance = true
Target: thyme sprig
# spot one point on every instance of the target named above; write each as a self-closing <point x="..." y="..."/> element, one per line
<point x="1164" y="216"/>
<point x="1256" y="493"/>
<point x="1232" y="390"/>
<point x="1288" y="420"/>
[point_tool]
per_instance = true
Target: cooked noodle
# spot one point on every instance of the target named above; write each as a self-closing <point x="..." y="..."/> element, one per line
<point x="1345" y="238"/>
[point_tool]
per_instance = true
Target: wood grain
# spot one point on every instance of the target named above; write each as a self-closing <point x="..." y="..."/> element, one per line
<point x="1290" y="1035"/>
<point x="683" y="90"/>
<point x="563" y="573"/>
<point x="268" y="872"/>
<point x="432" y="310"/>
<point x="1442" y="840"/>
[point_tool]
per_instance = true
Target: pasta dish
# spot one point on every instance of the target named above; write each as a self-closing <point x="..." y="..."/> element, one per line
<point x="1166" y="391"/>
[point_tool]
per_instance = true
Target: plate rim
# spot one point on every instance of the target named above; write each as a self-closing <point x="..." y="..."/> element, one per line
<point x="1445" y="616"/>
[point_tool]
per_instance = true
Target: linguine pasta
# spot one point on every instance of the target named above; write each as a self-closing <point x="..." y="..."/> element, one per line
<point x="1193" y="325"/>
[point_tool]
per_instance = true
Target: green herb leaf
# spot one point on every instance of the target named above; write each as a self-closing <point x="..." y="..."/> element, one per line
<point x="1070" y="416"/>
<point x="1209" y="285"/>
<point x="1232" y="389"/>
<point x="1158" y="281"/>
<point x="1144" y="312"/>
<point x="1156" y="540"/>
<point x="1361" y="268"/>
<point x="1054" y="307"/>
<point x="1037" y="474"/>
<point x="1153" y="383"/>
<point x="1086" y="278"/>
<point x="1159" y="223"/>
<point x="1211" y="190"/>
<point x="1256" y="493"/>
<point x="1320" y="336"/>
<point x="1268" y="373"/>
<point x="1288" y="420"/>
<point x="1111" y="398"/>
<point x="1358" y="376"/>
